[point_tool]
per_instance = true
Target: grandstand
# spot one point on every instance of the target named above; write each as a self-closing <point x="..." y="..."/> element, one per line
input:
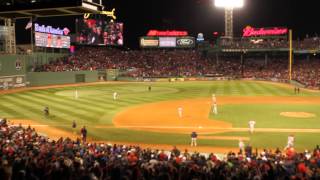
<point x="75" y="103"/>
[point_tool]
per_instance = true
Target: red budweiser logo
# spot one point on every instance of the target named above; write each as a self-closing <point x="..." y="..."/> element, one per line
<point x="250" y="31"/>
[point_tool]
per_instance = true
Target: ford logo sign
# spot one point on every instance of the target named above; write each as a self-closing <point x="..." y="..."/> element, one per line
<point x="185" y="42"/>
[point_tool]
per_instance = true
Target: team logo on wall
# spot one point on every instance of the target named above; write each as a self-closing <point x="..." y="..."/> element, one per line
<point x="18" y="64"/>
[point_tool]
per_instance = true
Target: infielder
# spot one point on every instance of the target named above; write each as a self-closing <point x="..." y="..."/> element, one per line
<point x="251" y="126"/>
<point x="115" y="96"/>
<point x="180" y="112"/>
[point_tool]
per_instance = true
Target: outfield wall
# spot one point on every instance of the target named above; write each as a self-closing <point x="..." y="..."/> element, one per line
<point x="12" y="71"/>
<point x="52" y="78"/>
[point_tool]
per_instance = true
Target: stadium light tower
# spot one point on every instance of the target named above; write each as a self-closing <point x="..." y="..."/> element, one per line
<point x="229" y="5"/>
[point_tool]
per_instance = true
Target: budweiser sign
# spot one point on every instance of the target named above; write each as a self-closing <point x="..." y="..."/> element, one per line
<point x="276" y="31"/>
<point x="167" y="33"/>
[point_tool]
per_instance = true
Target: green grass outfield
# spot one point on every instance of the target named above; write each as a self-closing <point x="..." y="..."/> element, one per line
<point x="95" y="106"/>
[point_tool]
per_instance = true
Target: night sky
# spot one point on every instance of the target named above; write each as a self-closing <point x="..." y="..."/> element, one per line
<point x="197" y="16"/>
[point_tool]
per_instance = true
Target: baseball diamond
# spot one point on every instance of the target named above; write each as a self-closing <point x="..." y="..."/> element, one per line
<point x="142" y="117"/>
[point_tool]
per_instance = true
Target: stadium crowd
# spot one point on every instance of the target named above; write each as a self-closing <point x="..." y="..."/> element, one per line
<point x="187" y="63"/>
<point x="156" y="63"/>
<point x="27" y="155"/>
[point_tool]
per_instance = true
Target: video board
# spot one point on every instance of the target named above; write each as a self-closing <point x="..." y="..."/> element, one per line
<point x="51" y="40"/>
<point x="99" y="31"/>
<point x="167" y="42"/>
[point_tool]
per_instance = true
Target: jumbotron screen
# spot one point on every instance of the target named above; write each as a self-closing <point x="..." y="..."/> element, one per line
<point x="52" y="40"/>
<point x="99" y="32"/>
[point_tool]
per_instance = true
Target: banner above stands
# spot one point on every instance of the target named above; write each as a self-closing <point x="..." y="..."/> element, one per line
<point x="259" y="32"/>
<point x="167" y="42"/>
<point x="167" y="33"/>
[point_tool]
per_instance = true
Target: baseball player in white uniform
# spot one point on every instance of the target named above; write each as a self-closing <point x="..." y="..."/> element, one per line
<point x="115" y="96"/>
<point x="180" y="110"/>
<point x="241" y="145"/>
<point x="290" y="141"/>
<point x="76" y="95"/>
<point x="252" y="123"/>
<point x="214" y="99"/>
<point x="215" y="108"/>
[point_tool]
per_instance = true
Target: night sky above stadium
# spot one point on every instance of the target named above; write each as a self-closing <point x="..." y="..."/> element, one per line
<point x="197" y="16"/>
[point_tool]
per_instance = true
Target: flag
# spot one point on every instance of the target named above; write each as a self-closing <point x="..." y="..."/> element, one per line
<point x="29" y="25"/>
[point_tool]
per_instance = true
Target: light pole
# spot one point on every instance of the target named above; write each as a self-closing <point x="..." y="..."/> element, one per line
<point x="229" y="5"/>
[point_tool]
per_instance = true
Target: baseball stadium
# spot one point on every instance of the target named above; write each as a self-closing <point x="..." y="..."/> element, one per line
<point x="76" y="104"/>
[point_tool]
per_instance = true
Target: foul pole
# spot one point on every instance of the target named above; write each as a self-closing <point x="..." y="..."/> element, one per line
<point x="290" y="54"/>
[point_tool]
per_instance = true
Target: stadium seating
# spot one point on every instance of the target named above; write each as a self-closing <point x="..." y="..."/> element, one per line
<point x="184" y="63"/>
<point x="26" y="155"/>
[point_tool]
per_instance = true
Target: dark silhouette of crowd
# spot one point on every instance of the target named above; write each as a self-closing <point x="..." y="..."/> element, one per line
<point x="27" y="155"/>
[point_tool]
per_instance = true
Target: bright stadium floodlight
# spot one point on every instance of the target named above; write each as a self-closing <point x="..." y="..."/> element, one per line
<point x="229" y="5"/>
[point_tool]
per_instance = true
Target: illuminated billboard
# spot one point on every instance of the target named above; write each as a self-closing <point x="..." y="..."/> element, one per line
<point x="167" y="42"/>
<point x="99" y="32"/>
<point x="50" y="30"/>
<point x="51" y="40"/>
<point x="149" y="42"/>
<point x="274" y="31"/>
<point x="186" y="42"/>
<point x="167" y="33"/>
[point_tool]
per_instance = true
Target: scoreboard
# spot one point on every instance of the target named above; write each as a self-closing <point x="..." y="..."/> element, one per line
<point x="52" y="40"/>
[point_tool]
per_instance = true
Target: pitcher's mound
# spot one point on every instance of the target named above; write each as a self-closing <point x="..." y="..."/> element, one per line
<point x="298" y="114"/>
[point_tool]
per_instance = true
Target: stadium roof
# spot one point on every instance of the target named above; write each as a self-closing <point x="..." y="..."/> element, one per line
<point x="46" y="8"/>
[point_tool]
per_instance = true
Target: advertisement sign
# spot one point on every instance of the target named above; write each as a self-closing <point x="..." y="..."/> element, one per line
<point x="52" y="40"/>
<point x="149" y="42"/>
<point x="49" y="29"/>
<point x="254" y="32"/>
<point x="167" y="42"/>
<point x="167" y="33"/>
<point x="8" y="82"/>
<point x="185" y="42"/>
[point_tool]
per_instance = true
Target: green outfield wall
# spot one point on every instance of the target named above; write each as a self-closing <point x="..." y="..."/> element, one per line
<point x="12" y="65"/>
<point x="52" y="78"/>
<point x="12" y="71"/>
